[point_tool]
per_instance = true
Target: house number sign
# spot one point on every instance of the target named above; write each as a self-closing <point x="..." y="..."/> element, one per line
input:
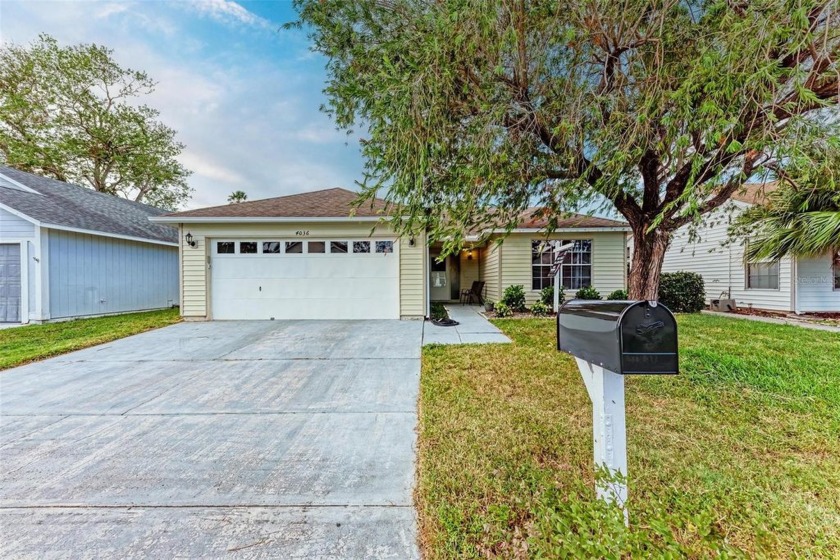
<point x="302" y="233"/>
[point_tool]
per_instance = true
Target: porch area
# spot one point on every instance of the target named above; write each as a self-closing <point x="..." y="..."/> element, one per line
<point x="473" y="328"/>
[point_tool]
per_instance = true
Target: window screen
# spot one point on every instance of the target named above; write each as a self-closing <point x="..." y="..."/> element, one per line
<point x="576" y="272"/>
<point x="763" y="276"/>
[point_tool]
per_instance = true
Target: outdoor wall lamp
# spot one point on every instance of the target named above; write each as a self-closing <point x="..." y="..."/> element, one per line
<point x="189" y="239"/>
<point x="469" y="255"/>
<point x="411" y="242"/>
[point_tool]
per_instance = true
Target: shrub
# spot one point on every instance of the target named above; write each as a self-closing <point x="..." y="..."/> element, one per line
<point x="514" y="297"/>
<point x="438" y="311"/>
<point x="547" y="295"/>
<point x="502" y="309"/>
<point x="618" y="294"/>
<point x="540" y="309"/>
<point x="587" y="292"/>
<point x="682" y="292"/>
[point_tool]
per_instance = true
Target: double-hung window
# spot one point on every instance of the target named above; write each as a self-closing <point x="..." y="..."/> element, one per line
<point x="763" y="276"/>
<point x="576" y="271"/>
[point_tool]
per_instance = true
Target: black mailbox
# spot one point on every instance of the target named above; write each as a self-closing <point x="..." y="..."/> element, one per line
<point x="622" y="336"/>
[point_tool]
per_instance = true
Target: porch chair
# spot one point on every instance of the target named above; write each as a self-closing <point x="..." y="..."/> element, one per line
<point x="474" y="292"/>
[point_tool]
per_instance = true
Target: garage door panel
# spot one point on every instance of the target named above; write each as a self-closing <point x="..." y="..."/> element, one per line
<point x="303" y="288"/>
<point x="295" y="286"/>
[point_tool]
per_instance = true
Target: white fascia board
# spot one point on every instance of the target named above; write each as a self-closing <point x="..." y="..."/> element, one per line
<point x="257" y="220"/>
<point x="108" y="234"/>
<point x="19" y="185"/>
<point x="19" y="214"/>
<point x="566" y="230"/>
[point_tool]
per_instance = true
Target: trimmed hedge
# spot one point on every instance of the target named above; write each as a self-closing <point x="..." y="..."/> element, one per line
<point x="682" y="292"/>
<point x="618" y="295"/>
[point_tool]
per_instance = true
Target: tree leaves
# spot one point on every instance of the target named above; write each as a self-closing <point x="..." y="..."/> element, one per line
<point x="70" y="113"/>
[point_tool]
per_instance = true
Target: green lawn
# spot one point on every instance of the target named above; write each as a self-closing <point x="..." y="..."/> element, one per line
<point x="21" y="345"/>
<point x="737" y="456"/>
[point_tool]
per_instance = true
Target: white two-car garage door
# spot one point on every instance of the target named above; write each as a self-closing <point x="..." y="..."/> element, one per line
<point x="304" y="279"/>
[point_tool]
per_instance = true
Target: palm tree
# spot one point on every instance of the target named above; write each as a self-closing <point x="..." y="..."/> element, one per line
<point x="236" y="197"/>
<point x="794" y="221"/>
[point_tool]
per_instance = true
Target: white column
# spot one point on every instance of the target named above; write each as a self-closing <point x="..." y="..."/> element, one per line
<point x="609" y="429"/>
<point x="556" y="291"/>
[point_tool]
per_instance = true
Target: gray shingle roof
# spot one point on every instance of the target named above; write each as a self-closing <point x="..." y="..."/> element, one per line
<point x="65" y="205"/>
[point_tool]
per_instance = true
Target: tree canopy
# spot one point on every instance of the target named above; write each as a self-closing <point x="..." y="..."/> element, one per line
<point x="71" y="113"/>
<point x="799" y="216"/>
<point x="475" y="110"/>
<point x="236" y="197"/>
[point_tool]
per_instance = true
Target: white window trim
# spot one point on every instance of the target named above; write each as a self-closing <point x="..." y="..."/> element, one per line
<point x="778" y="277"/>
<point x="567" y="240"/>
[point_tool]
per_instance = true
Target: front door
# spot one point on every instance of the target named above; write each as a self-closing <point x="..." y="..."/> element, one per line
<point x="439" y="288"/>
<point x="10" y="283"/>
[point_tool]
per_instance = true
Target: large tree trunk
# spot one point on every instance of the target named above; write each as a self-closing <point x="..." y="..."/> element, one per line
<point x="646" y="265"/>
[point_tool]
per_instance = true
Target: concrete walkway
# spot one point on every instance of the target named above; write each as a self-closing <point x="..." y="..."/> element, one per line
<point x="290" y="439"/>
<point x="473" y="328"/>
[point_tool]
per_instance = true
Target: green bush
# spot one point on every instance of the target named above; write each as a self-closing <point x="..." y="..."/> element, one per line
<point x="438" y="311"/>
<point x="502" y="309"/>
<point x="587" y="292"/>
<point x="618" y="294"/>
<point x="540" y="309"/>
<point x="682" y="292"/>
<point x="547" y="295"/>
<point x="514" y="297"/>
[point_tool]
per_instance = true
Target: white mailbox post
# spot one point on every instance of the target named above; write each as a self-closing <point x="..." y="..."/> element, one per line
<point x="611" y="339"/>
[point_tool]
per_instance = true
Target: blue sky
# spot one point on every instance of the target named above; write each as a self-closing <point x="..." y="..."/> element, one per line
<point x="243" y="94"/>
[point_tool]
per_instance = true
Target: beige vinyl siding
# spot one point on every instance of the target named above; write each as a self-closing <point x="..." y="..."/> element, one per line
<point x="608" y="260"/>
<point x="412" y="279"/>
<point x="490" y="270"/>
<point x="469" y="268"/>
<point x="195" y="266"/>
<point x="722" y="266"/>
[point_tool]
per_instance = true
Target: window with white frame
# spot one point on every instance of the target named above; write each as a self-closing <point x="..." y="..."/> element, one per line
<point x="576" y="271"/>
<point x="763" y="276"/>
<point x="836" y="269"/>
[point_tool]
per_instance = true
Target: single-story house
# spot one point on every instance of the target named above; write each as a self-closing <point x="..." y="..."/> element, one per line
<point x="792" y="284"/>
<point x="67" y="251"/>
<point x="310" y="256"/>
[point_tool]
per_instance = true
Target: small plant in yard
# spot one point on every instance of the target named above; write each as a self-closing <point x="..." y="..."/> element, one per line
<point x="540" y="309"/>
<point x="618" y="295"/>
<point x="502" y="309"/>
<point x="587" y="292"/>
<point x="547" y="295"/>
<point x="682" y="292"/>
<point x="438" y="311"/>
<point x="514" y="297"/>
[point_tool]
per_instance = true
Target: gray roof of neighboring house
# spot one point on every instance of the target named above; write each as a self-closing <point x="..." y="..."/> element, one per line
<point x="56" y="203"/>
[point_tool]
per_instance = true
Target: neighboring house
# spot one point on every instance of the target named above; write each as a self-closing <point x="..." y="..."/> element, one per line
<point x="310" y="256"/>
<point x="800" y="285"/>
<point x="67" y="251"/>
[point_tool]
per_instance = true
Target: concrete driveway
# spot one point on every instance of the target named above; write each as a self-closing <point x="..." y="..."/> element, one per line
<point x="289" y="439"/>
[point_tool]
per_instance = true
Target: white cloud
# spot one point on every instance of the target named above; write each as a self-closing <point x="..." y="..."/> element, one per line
<point x="226" y="11"/>
<point x="249" y="121"/>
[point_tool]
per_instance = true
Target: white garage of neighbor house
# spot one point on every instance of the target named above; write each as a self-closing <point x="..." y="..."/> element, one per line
<point x="67" y="252"/>
<point x="311" y="256"/>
